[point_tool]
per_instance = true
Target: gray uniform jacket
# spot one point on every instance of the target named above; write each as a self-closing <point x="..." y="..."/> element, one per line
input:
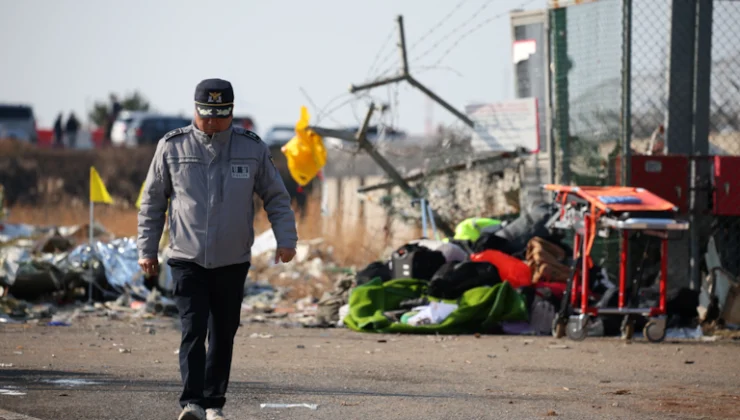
<point x="209" y="182"/>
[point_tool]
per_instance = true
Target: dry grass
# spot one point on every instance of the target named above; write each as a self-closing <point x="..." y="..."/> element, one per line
<point x="119" y="221"/>
<point x="355" y="246"/>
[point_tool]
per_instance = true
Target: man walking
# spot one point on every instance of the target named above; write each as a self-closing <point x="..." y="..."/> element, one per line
<point x="209" y="172"/>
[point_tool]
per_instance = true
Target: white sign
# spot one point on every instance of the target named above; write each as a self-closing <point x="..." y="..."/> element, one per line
<point x="505" y="126"/>
<point x="522" y="50"/>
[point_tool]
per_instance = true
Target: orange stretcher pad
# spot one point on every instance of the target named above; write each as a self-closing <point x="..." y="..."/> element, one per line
<point x="616" y="199"/>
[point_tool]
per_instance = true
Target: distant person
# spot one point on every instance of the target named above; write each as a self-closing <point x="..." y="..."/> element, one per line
<point x="206" y="175"/>
<point x="113" y="112"/>
<point x="58" y="132"/>
<point x="71" y="130"/>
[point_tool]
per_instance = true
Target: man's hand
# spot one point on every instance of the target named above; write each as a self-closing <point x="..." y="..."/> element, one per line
<point x="150" y="266"/>
<point x="284" y="254"/>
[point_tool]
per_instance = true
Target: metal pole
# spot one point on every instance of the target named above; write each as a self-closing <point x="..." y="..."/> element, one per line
<point x="413" y="82"/>
<point x="625" y="161"/>
<point x="700" y="182"/>
<point x="423" y="206"/>
<point x="407" y="77"/>
<point x="392" y="172"/>
<point x="431" y="221"/>
<point x="551" y="155"/>
<point x="92" y="277"/>
<point x="561" y="68"/>
<point x="679" y="120"/>
<point x="626" y="91"/>
<point x="402" y="46"/>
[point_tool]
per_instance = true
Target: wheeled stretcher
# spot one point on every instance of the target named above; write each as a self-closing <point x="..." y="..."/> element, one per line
<point x="592" y="211"/>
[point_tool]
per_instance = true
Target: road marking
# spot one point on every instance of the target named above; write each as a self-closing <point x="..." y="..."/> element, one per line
<point x="7" y="415"/>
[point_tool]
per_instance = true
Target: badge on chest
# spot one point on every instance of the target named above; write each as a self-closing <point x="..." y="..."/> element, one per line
<point x="239" y="170"/>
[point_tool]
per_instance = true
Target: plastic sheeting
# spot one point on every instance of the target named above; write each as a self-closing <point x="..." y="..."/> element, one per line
<point x="120" y="261"/>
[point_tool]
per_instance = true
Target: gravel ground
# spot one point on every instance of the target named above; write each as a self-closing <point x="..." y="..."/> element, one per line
<point x="114" y="369"/>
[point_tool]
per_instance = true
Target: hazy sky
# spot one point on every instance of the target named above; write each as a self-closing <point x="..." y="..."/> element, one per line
<point x="62" y="55"/>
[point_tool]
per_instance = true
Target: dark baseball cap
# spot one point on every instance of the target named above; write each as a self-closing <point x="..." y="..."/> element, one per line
<point x="214" y="98"/>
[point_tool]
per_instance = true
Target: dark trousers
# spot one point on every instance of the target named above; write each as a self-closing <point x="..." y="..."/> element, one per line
<point x="209" y="302"/>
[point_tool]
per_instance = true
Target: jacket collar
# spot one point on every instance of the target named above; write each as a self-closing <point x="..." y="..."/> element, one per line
<point x="222" y="137"/>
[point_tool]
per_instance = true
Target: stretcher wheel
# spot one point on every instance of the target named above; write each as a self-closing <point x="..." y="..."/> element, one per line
<point x="558" y="328"/>
<point x="575" y="332"/>
<point x="654" y="332"/>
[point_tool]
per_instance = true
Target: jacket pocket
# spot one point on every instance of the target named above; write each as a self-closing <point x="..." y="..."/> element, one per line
<point x="186" y="172"/>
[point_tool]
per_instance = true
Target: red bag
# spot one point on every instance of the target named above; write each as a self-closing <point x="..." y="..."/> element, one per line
<point x="511" y="269"/>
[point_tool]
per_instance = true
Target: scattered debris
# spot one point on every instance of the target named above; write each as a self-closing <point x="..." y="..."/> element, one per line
<point x="6" y="365"/>
<point x="124" y="351"/>
<point x="558" y="347"/>
<point x="551" y="413"/>
<point x="11" y="392"/>
<point x="260" y="335"/>
<point x="622" y="392"/>
<point x="689" y="362"/>
<point x="70" y="382"/>
<point x="309" y="406"/>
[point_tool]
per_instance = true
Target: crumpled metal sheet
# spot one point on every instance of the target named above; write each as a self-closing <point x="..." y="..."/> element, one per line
<point x="120" y="260"/>
<point x="11" y="258"/>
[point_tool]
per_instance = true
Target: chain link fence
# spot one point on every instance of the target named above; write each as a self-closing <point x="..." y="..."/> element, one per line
<point x="724" y="117"/>
<point x="633" y="73"/>
<point x="724" y="138"/>
<point x="587" y="63"/>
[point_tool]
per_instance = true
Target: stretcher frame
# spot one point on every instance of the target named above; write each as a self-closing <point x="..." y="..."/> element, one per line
<point x="586" y="212"/>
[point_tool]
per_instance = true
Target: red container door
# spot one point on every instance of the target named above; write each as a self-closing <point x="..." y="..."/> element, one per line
<point x="727" y="185"/>
<point x="665" y="176"/>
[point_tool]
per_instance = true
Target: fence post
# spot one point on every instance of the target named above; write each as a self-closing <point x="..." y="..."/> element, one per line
<point x="680" y="78"/>
<point x="679" y="118"/>
<point x="625" y="166"/>
<point x="561" y="63"/>
<point x="700" y="170"/>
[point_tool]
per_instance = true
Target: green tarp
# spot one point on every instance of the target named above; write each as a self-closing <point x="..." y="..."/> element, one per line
<point x="479" y="309"/>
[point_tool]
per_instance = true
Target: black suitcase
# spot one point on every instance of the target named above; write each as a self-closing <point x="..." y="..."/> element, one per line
<point x="416" y="262"/>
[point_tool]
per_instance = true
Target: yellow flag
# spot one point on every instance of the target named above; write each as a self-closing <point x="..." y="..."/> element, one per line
<point x="98" y="192"/>
<point x="141" y="193"/>
<point x="305" y="152"/>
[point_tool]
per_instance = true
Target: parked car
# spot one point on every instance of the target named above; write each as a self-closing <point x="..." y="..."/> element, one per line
<point x="279" y="135"/>
<point x="119" y="134"/>
<point x="18" y="122"/>
<point x="149" y="129"/>
<point x="245" y="122"/>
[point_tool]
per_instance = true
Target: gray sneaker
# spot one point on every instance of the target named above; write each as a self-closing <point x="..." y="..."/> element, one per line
<point x="192" y="412"/>
<point x="215" y="414"/>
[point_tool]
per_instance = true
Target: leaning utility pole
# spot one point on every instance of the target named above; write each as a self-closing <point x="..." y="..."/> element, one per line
<point x="361" y="138"/>
<point x="406" y="76"/>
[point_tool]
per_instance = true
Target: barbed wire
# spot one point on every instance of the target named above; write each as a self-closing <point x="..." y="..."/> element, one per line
<point x="376" y="62"/>
<point x="425" y="69"/>
<point x="416" y="43"/>
<point x="467" y="33"/>
<point x="454" y="31"/>
<point x="438" y="25"/>
<point x="324" y="112"/>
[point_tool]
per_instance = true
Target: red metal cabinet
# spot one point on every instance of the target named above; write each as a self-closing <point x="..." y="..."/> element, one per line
<point x="727" y="185"/>
<point x="665" y="176"/>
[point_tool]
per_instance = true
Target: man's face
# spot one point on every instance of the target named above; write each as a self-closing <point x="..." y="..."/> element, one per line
<point x="211" y="126"/>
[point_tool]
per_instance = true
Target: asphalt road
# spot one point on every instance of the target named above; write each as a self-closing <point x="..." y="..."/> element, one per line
<point x="80" y="372"/>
